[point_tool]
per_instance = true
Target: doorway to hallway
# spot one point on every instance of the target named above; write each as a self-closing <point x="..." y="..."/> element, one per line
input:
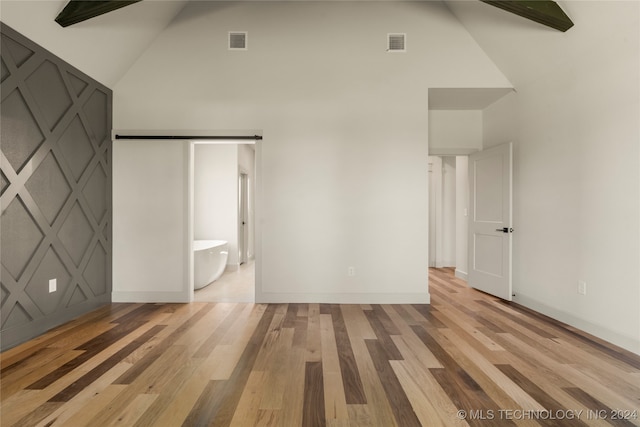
<point x="448" y="213"/>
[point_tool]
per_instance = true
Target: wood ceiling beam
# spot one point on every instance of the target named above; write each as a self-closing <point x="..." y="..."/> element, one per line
<point x="80" y="10"/>
<point x="544" y="12"/>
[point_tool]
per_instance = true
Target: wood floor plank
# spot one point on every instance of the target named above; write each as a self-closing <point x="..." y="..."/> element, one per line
<point x="230" y="355"/>
<point x="186" y="397"/>
<point x="313" y="411"/>
<point x="379" y="408"/>
<point x="291" y="412"/>
<point x="465" y="304"/>
<point x="16" y="406"/>
<point x="407" y="342"/>
<point x="426" y="311"/>
<point x="89" y="350"/>
<point x="585" y="341"/>
<point x="83" y="416"/>
<point x="220" y="327"/>
<point x="401" y="407"/>
<point x="410" y="349"/>
<point x="456" y="381"/>
<point x="161" y="347"/>
<point x="383" y="337"/>
<point x="334" y="390"/>
<point x="601" y="409"/>
<point x="168" y="391"/>
<point x="47" y="361"/>
<point x="358" y="327"/>
<point x="557" y="376"/>
<point x="89" y="401"/>
<point x="69" y="392"/>
<point x="314" y="353"/>
<point x="291" y="316"/>
<point x="249" y="404"/>
<point x="273" y="342"/>
<point x="41" y="412"/>
<point x="57" y="337"/>
<point x="427" y="413"/>
<point x="207" y="406"/>
<point x="278" y="365"/>
<point x="152" y="380"/>
<point x="548" y="402"/>
<point x="267" y="418"/>
<point x="200" y="329"/>
<point x="520" y="397"/>
<point x="359" y="416"/>
<point x="403" y="311"/>
<point x="232" y="389"/>
<point x="430" y="394"/>
<point x="353" y="389"/>
<point x="609" y="375"/>
<point x="133" y="411"/>
<point x="474" y="335"/>
<point x="359" y="365"/>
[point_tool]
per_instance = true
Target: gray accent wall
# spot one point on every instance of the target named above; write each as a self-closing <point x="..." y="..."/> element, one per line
<point x="55" y="190"/>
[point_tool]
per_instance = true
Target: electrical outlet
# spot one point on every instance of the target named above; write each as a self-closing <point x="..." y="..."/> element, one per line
<point x="582" y="287"/>
<point x="351" y="271"/>
<point x="53" y="285"/>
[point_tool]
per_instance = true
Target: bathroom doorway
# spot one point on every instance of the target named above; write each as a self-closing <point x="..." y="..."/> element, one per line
<point x="224" y="176"/>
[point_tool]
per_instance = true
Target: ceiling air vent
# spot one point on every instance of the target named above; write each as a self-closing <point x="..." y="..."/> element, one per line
<point x="238" y="40"/>
<point x="396" y="42"/>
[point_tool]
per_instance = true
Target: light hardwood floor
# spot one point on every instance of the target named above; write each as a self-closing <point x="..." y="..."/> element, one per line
<point x="232" y="286"/>
<point x="467" y="359"/>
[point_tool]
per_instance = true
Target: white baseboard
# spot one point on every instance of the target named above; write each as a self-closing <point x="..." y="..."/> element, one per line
<point x="629" y="343"/>
<point x="443" y="264"/>
<point x="461" y="275"/>
<point x="282" y="298"/>
<point x="150" y="297"/>
<point x="353" y="298"/>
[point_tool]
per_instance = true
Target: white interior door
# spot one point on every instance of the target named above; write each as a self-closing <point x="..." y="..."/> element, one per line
<point x="490" y="226"/>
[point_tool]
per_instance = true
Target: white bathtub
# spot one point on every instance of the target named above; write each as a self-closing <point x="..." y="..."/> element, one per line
<point x="209" y="261"/>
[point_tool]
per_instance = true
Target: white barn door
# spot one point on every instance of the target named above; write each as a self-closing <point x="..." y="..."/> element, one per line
<point x="490" y="226"/>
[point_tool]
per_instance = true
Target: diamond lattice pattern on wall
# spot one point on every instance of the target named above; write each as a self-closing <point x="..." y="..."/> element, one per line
<point x="55" y="185"/>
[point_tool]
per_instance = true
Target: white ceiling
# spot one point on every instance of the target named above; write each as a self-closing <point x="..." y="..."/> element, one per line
<point x="464" y="98"/>
<point x="105" y="47"/>
<point x="524" y="50"/>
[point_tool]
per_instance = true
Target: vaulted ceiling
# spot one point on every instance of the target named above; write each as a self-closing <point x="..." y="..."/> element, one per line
<point x="545" y="12"/>
<point x="103" y="47"/>
<point x="515" y="44"/>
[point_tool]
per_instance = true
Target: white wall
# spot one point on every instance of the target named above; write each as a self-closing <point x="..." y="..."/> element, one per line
<point x="150" y="221"/>
<point x="454" y="132"/>
<point x="345" y="125"/>
<point x="462" y="218"/>
<point x="216" y="195"/>
<point x="576" y="175"/>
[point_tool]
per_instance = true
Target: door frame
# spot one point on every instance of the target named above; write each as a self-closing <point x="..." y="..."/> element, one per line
<point x="257" y="206"/>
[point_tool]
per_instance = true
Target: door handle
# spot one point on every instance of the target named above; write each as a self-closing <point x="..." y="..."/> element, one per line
<point x="505" y="230"/>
